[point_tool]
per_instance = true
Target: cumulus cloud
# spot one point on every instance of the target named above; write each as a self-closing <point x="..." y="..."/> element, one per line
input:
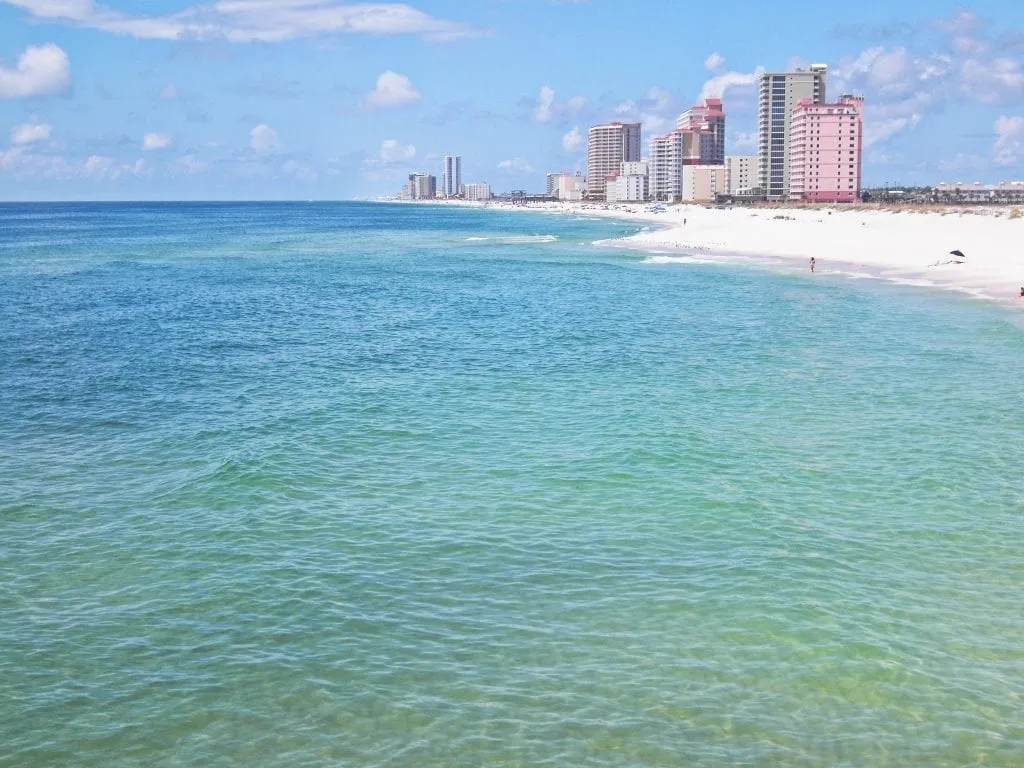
<point x="39" y="70"/>
<point x="1009" y="145"/>
<point x="392" y="90"/>
<point x="545" y="105"/>
<point x="263" y="139"/>
<point x="154" y="141"/>
<point x="392" y="151"/>
<point x="572" y="140"/>
<point x="244" y="21"/>
<point x="547" y="108"/>
<point x="656" y="109"/>
<point x="98" y="166"/>
<point x="29" y="133"/>
<point x="516" y="164"/>
<point x="903" y="87"/>
<point x="714" y="62"/>
<point x="189" y="165"/>
<point x="719" y="85"/>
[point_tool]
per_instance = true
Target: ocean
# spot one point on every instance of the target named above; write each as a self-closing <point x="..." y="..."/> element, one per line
<point x="296" y="484"/>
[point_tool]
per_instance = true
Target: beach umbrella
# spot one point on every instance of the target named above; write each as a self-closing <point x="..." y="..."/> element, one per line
<point x="958" y="254"/>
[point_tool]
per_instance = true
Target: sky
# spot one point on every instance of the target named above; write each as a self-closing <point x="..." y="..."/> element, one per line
<point x="324" y="99"/>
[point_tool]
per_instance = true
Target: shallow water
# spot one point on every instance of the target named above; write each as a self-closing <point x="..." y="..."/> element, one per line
<point x="290" y="484"/>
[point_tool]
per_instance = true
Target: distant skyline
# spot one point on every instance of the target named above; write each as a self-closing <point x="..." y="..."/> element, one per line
<point x="319" y="99"/>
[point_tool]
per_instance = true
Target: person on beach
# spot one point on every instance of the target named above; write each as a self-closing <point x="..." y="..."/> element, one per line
<point x="1022" y="291"/>
<point x="813" y="264"/>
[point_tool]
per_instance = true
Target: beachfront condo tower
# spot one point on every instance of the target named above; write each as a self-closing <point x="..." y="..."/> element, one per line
<point x="780" y="93"/>
<point x="608" y="147"/>
<point x="451" y="179"/>
<point x="825" y="151"/>
<point x="703" y="128"/>
<point x="665" y="165"/>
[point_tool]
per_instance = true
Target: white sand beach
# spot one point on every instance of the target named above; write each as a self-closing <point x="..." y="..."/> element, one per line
<point x="909" y="246"/>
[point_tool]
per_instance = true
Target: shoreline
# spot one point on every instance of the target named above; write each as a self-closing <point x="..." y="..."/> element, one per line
<point x="908" y="247"/>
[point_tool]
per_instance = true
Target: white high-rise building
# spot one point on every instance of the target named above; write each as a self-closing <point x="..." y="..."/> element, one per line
<point x="479" y="191"/>
<point x="665" y="167"/>
<point x="740" y="173"/>
<point x="780" y="93"/>
<point x="451" y="181"/>
<point x="552" y="184"/>
<point x="608" y="146"/>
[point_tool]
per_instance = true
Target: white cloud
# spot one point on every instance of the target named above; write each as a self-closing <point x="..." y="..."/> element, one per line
<point x="655" y="109"/>
<point x="902" y="88"/>
<point x="244" y="21"/>
<point x="545" y="105"/>
<point x="714" y="62"/>
<point x="137" y="168"/>
<point x="719" y="85"/>
<point x="263" y="138"/>
<point x="877" y="131"/>
<point x="391" y="151"/>
<point x="1009" y="145"/>
<point x="154" y="141"/>
<point x="99" y="167"/>
<point x="29" y="133"/>
<point x="393" y="90"/>
<point x="548" y="109"/>
<point x="572" y="140"/>
<point x="189" y="165"/>
<point x="40" y="69"/>
<point x="516" y="164"/>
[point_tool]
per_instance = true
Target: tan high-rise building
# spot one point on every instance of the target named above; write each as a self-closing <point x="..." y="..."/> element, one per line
<point x="780" y="93"/>
<point x="608" y="147"/>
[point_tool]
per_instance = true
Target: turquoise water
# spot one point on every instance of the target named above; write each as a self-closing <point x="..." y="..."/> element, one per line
<point x="369" y="485"/>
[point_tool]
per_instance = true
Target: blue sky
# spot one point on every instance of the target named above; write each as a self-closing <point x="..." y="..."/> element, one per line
<point x="321" y="99"/>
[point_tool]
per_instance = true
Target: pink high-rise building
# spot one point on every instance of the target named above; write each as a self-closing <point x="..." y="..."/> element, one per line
<point x="703" y="128"/>
<point x="825" y="151"/>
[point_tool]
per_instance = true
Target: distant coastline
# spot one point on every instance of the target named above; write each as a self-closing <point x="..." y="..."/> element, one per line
<point x="905" y="243"/>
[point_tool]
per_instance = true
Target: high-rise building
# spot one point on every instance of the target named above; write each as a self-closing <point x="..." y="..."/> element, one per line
<point x="451" y="179"/>
<point x="551" y="189"/>
<point x="703" y="127"/>
<point x="825" y="151"/>
<point x="422" y="186"/>
<point x="740" y="173"/>
<point x="665" y="167"/>
<point x="780" y="93"/>
<point x="479" y="191"/>
<point x="608" y="146"/>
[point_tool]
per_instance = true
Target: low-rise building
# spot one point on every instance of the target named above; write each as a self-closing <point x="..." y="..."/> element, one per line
<point x="629" y="185"/>
<point x="703" y="183"/>
<point x="571" y="187"/>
